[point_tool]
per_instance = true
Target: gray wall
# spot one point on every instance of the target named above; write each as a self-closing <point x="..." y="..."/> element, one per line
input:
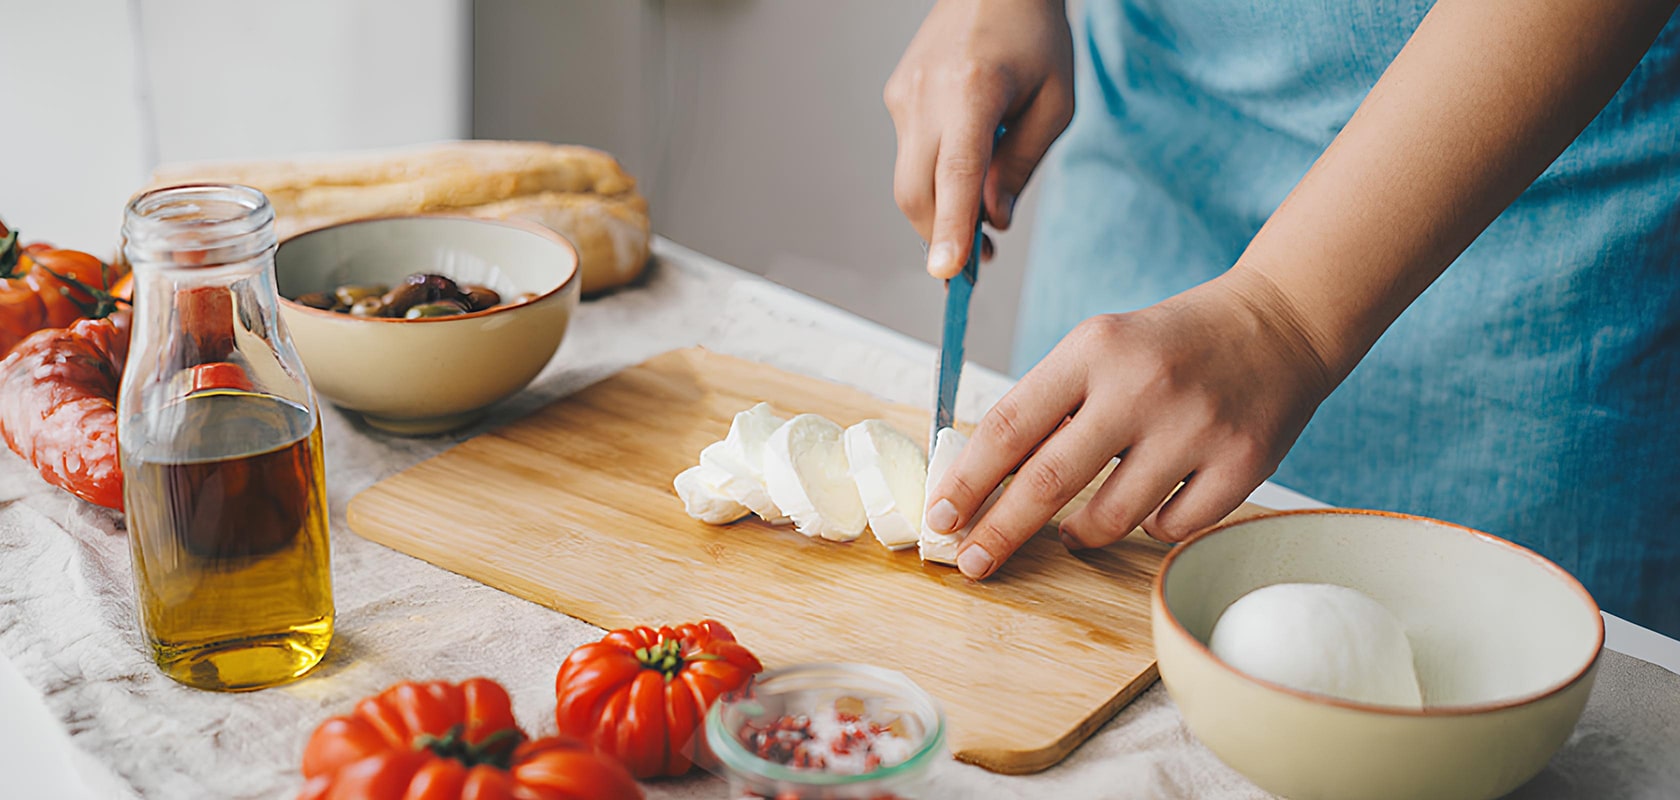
<point x="757" y="131"/>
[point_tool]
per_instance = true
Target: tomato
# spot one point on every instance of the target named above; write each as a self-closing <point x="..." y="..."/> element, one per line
<point x="641" y="694"/>
<point x="58" y="405"/>
<point x="45" y="287"/>
<point x="66" y="281"/>
<point x="219" y="375"/>
<point x="443" y="741"/>
<point x="21" y="312"/>
<point x="123" y="289"/>
<point x="206" y="314"/>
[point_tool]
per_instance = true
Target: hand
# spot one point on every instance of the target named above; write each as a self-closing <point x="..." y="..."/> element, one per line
<point x="973" y="65"/>
<point x="1209" y="388"/>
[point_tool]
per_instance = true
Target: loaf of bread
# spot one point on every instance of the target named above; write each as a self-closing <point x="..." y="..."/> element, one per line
<point x="579" y="192"/>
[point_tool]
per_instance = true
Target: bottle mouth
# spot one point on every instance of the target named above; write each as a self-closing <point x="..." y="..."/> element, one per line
<point x="197" y="226"/>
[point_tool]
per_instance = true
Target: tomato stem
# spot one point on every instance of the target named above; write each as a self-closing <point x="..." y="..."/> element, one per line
<point x="9" y="255"/>
<point x="102" y="304"/>
<point x="496" y="750"/>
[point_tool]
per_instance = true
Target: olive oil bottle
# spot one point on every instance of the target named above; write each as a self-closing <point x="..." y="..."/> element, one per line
<point x="229" y="537"/>
<point x="220" y="442"/>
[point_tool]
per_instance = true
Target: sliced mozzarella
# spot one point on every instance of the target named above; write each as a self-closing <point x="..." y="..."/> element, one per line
<point x="805" y="470"/>
<point x="933" y="545"/>
<point x="890" y="470"/>
<point x="740" y="458"/>
<point x="698" y="488"/>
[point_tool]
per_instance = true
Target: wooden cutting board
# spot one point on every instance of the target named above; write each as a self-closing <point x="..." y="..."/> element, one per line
<point x="573" y="509"/>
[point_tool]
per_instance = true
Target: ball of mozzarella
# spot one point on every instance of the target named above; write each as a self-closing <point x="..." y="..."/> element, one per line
<point x="1320" y="638"/>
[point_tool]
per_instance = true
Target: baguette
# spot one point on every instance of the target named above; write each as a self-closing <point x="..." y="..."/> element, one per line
<point x="579" y="192"/>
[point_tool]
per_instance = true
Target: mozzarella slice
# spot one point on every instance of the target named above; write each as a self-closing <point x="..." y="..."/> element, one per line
<point x="890" y="470"/>
<point x="933" y="545"/>
<point x="698" y="488"/>
<point x="806" y="471"/>
<point x="740" y="459"/>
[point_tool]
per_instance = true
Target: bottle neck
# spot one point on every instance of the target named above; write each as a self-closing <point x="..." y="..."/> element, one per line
<point x="204" y="298"/>
<point x="212" y="228"/>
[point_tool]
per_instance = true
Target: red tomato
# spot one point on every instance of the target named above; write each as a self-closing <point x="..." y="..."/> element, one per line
<point x="442" y="741"/>
<point x="123" y="289"/>
<point x="641" y="694"/>
<point x="62" y="280"/>
<point x="21" y="312"/>
<point x="220" y="375"/>
<point x="58" y="405"/>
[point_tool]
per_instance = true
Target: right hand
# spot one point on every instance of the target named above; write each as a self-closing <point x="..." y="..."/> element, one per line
<point x="975" y="65"/>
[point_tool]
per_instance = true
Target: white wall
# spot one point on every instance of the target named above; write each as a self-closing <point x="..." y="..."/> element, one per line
<point x="757" y="130"/>
<point x="103" y="89"/>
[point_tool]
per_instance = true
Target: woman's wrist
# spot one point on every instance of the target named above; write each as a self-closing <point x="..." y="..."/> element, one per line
<point x="1323" y="348"/>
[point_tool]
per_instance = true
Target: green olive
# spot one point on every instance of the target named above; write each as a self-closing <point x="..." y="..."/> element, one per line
<point x="442" y="308"/>
<point x="368" y="307"/>
<point x="350" y="295"/>
<point x="321" y="300"/>
<point x="480" y="297"/>
<point x="399" y="300"/>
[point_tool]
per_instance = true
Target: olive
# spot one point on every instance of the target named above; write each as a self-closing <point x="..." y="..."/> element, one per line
<point x="368" y="307"/>
<point x="399" y="300"/>
<point x="438" y="287"/>
<point x="321" y="300"/>
<point x="348" y="295"/>
<point x="442" y="308"/>
<point x="480" y="297"/>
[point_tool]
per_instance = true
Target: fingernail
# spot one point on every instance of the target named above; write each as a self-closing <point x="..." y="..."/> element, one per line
<point x="1008" y="209"/>
<point x="974" y="562"/>
<point x="1071" y="543"/>
<point x="942" y="260"/>
<point x="942" y="517"/>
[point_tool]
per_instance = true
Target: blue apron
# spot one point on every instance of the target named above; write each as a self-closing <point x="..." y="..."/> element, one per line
<point x="1532" y="392"/>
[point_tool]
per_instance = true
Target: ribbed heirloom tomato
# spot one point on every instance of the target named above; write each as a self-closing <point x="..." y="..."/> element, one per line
<point x="641" y="694"/>
<point x="443" y="741"/>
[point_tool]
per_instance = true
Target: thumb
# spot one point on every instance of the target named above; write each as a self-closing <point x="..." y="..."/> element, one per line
<point x="1018" y="154"/>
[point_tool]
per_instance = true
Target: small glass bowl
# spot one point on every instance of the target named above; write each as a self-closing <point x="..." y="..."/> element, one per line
<point x="887" y="697"/>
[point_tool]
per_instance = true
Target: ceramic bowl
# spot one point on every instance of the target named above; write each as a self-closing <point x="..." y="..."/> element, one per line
<point x="1505" y="643"/>
<point x="432" y="374"/>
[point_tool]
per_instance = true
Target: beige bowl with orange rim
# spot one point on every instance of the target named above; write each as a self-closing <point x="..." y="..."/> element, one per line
<point x="428" y="375"/>
<point x="1506" y="644"/>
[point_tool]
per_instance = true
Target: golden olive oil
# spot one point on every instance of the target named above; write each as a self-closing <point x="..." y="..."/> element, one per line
<point x="227" y="521"/>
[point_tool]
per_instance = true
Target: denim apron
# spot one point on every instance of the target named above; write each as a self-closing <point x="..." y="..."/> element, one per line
<point x="1532" y="392"/>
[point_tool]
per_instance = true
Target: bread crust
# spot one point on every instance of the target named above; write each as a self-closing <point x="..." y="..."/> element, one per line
<point x="579" y="192"/>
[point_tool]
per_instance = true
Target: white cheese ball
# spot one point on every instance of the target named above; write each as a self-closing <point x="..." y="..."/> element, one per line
<point x="1320" y="638"/>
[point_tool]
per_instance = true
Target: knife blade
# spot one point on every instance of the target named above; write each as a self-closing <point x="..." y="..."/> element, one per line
<point x="958" y="291"/>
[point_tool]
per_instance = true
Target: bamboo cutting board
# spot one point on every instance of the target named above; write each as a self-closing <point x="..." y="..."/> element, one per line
<point x="574" y="510"/>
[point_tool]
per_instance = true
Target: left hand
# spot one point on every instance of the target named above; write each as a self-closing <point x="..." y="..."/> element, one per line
<point x="1208" y="389"/>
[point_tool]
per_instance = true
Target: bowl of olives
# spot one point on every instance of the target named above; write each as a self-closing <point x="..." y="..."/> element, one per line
<point x="421" y="323"/>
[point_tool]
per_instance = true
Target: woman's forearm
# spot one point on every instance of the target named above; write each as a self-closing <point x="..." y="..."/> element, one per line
<point x="1483" y="97"/>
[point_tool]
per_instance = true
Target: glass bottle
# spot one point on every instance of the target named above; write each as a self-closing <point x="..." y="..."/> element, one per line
<point x="220" y="440"/>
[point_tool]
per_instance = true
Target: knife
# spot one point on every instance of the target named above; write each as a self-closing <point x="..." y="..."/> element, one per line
<point x="958" y="291"/>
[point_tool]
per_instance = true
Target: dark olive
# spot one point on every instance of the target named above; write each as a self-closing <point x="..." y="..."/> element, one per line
<point x="442" y="308"/>
<point x="348" y="295"/>
<point x="368" y="307"/>
<point x="399" y="300"/>
<point x="321" y="300"/>
<point x="439" y="287"/>
<point x="480" y="297"/>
